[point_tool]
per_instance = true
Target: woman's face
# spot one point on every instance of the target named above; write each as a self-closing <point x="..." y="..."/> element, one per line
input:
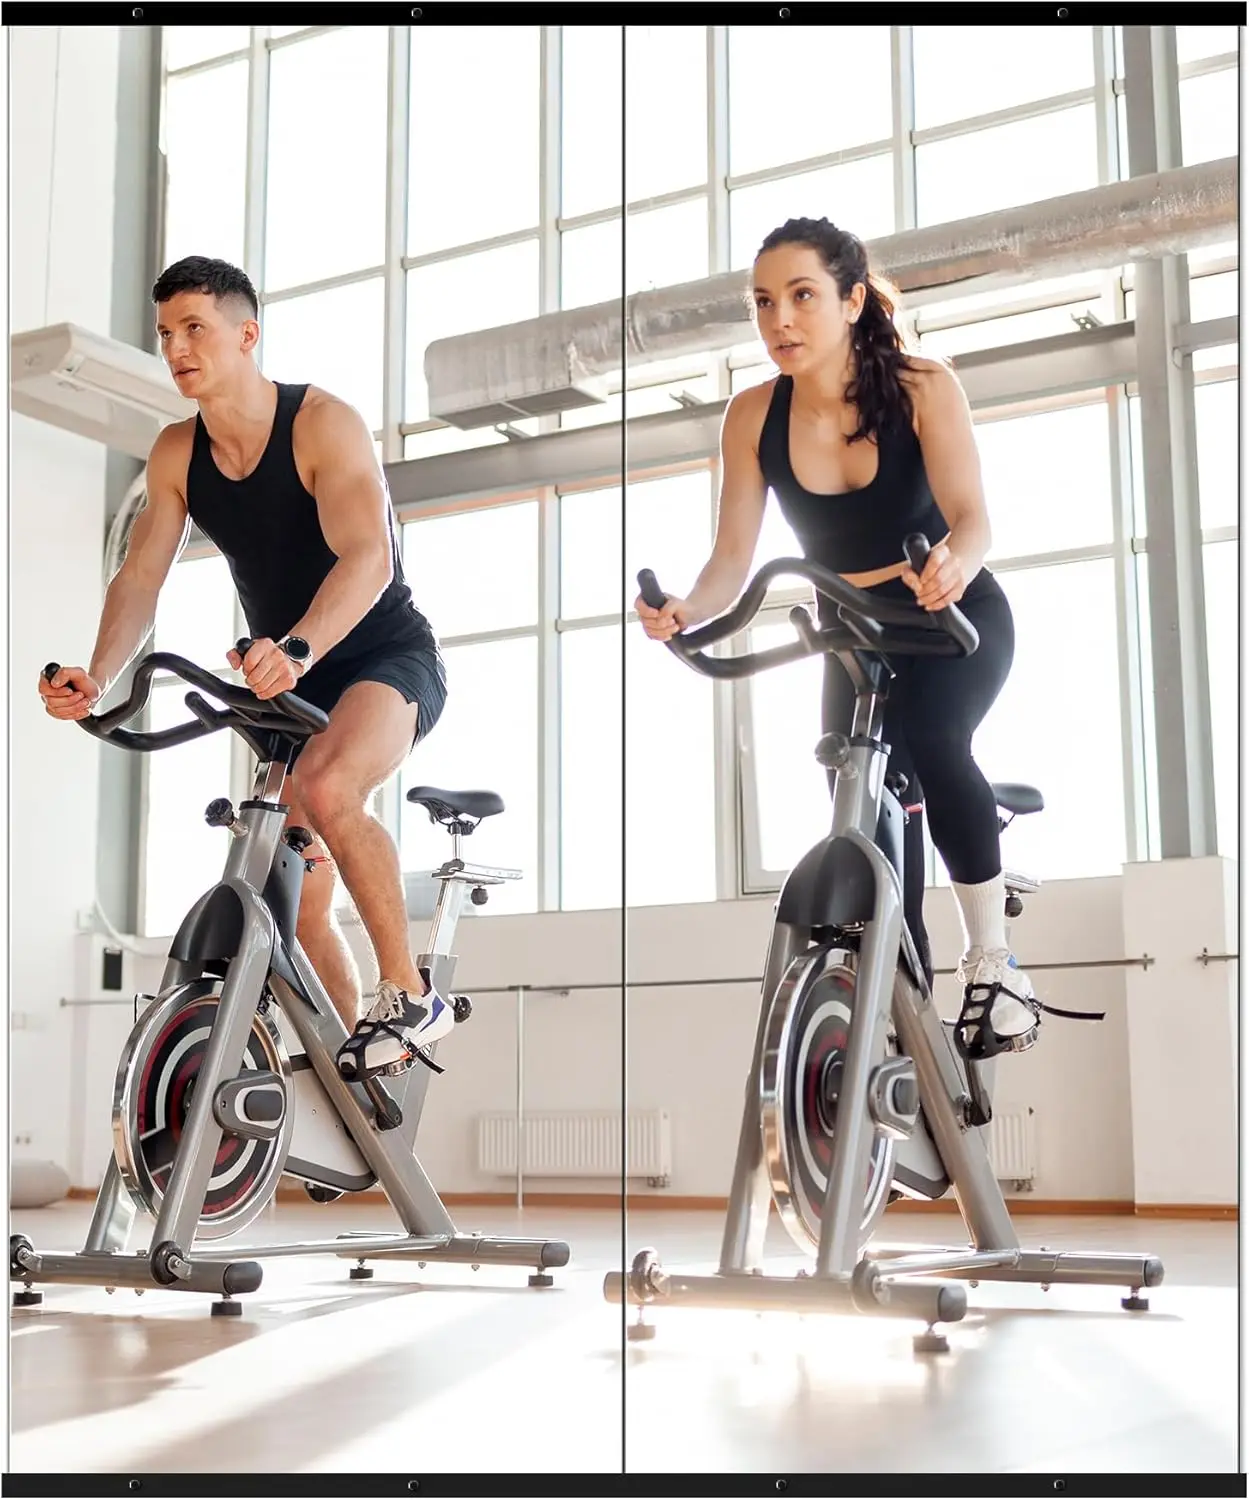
<point x="801" y="315"/>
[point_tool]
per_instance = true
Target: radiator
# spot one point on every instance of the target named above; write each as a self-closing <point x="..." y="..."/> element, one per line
<point x="584" y="1144"/>
<point x="1012" y="1145"/>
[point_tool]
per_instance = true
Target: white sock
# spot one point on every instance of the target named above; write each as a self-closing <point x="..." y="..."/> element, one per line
<point x="982" y="909"/>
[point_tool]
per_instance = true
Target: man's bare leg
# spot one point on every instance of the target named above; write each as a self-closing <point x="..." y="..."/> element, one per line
<point x="369" y="738"/>
<point x="317" y="927"/>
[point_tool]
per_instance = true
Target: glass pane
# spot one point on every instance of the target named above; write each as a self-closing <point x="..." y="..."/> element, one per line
<point x="495" y="548"/>
<point x="590" y="578"/>
<point x="461" y="185"/>
<point x="666" y="109"/>
<point x="449" y="440"/>
<point x="185" y="45"/>
<point x="668" y="529"/>
<point x="792" y="789"/>
<point x="858" y="196"/>
<point x="816" y="118"/>
<point x="195" y="614"/>
<point x="328" y="114"/>
<point x="1066" y="667"/>
<point x="670" y="800"/>
<point x="1210" y="116"/>
<point x="1007" y="165"/>
<point x="962" y="71"/>
<point x="776" y="539"/>
<point x="1193" y="42"/>
<point x="1216" y="296"/>
<point x="590" y="261"/>
<point x="461" y="296"/>
<point x="1017" y="328"/>
<point x="590" y="134"/>
<point x="666" y="246"/>
<point x="183" y="856"/>
<point x="591" y="774"/>
<point x="1218" y="429"/>
<point x="1047" y="480"/>
<point x="207" y="189"/>
<point x="1223" y="657"/>
<point x="487" y="738"/>
<point x="334" y="340"/>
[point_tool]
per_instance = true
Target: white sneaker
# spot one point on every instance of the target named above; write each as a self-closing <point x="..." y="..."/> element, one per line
<point x="395" y="1027"/>
<point x="1000" y="1010"/>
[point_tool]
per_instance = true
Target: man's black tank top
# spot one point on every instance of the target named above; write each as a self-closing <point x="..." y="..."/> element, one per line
<point x="267" y="529"/>
<point x="860" y="530"/>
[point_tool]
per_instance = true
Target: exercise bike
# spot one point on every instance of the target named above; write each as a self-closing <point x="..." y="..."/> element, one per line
<point x="857" y="1092"/>
<point x="228" y="1081"/>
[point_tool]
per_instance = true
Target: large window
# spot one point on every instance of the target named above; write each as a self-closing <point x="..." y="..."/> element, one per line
<point x="538" y="201"/>
<point x="181" y="856"/>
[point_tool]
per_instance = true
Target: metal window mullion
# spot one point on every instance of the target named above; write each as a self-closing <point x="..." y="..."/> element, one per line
<point x="717" y="149"/>
<point x="394" y="341"/>
<point x="550" y="264"/>
<point x="550" y="782"/>
<point x="902" y="67"/>
<point x="1127" y="629"/>
<point x="257" y="157"/>
<point x="1033" y="109"/>
<point x="325" y="284"/>
<point x="843" y="157"/>
<point x="474" y="247"/>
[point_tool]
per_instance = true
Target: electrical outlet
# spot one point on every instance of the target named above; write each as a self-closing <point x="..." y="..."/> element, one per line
<point x="22" y="1140"/>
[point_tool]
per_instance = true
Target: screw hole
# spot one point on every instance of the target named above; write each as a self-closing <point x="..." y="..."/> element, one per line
<point x="137" y="12"/>
<point x="784" y="12"/>
<point x="416" y="12"/>
<point x="1062" y="12"/>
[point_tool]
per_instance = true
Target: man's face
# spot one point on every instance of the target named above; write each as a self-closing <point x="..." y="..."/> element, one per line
<point x="205" y="343"/>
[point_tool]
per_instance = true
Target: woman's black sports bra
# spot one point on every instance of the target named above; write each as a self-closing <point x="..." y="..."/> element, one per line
<point x="860" y="530"/>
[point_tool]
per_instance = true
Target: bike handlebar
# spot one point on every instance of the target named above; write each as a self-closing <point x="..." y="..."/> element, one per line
<point x="284" y="714"/>
<point x="946" y="632"/>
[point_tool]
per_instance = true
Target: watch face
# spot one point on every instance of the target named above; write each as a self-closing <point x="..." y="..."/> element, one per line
<point x="297" y="648"/>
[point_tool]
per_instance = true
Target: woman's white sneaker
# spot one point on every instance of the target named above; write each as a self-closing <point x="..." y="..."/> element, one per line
<point x="1000" y="1010"/>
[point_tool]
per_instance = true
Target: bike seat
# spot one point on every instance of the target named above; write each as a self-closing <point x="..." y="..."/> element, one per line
<point x="443" y="805"/>
<point x="1014" y="797"/>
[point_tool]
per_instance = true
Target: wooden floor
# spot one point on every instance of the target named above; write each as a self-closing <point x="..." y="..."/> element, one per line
<point x="446" y="1370"/>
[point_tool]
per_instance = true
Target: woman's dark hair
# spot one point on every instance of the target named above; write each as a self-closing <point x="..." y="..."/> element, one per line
<point x="215" y="278"/>
<point x="880" y="352"/>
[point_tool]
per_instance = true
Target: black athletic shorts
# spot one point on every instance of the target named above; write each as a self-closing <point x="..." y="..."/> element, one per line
<point x="417" y="671"/>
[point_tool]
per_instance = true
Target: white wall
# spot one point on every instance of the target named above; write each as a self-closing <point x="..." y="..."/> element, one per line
<point x="688" y="1048"/>
<point x="63" y="85"/>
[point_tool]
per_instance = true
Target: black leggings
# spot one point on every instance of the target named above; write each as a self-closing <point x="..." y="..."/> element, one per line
<point x="935" y="704"/>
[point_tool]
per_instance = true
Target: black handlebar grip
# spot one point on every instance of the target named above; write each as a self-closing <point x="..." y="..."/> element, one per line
<point x="917" y="548"/>
<point x="243" y="645"/>
<point x="652" y="594"/>
<point x="50" y="671"/>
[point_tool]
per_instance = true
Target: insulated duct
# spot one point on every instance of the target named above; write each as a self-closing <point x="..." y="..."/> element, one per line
<point x="560" y="361"/>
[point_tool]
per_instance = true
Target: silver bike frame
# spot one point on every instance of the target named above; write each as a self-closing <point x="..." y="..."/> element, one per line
<point x="430" y="1233"/>
<point x="845" y="1279"/>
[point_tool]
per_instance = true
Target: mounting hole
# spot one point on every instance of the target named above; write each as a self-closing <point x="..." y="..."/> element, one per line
<point x="416" y="16"/>
<point x="137" y="13"/>
<point x="784" y="12"/>
<point x="1062" y="12"/>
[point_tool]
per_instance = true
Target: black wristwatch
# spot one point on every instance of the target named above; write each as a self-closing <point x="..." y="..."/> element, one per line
<point x="298" y="649"/>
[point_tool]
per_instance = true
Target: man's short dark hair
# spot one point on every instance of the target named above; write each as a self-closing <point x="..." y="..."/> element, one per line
<point x="215" y="278"/>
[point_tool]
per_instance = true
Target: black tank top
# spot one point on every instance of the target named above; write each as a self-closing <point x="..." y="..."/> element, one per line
<point x="863" y="529"/>
<point x="267" y="529"/>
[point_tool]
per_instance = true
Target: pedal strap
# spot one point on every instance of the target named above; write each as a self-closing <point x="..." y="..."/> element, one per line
<point x="1071" y="1015"/>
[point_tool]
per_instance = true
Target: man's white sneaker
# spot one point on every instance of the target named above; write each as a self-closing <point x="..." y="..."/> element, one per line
<point x="394" y="1029"/>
